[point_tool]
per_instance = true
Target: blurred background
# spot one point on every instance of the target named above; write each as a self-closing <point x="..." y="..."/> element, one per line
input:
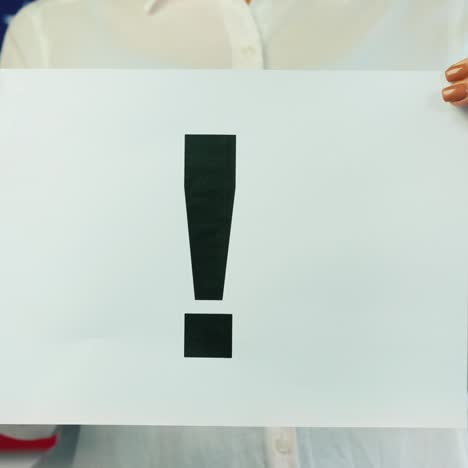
<point x="7" y="9"/>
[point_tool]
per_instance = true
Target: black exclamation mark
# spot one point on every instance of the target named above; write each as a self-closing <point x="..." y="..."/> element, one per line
<point x="210" y="179"/>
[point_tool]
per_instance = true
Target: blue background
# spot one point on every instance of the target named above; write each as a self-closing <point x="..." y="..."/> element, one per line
<point x="7" y="9"/>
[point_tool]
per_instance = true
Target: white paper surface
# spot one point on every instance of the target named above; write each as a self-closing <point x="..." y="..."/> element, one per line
<point x="348" y="258"/>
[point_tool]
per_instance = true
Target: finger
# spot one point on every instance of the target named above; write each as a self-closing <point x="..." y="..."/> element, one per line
<point x="457" y="72"/>
<point x="457" y="93"/>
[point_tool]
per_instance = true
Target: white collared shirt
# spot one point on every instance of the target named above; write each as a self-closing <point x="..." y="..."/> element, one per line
<point x="274" y="34"/>
<point x="277" y="34"/>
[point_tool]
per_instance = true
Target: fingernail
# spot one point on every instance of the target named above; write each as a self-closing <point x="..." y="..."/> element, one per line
<point x="457" y="72"/>
<point x="454" y="93"/>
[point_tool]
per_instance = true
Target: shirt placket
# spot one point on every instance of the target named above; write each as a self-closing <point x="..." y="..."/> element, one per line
<point x="281" y="447"/>
<point x="247" y="52"/>
<point x="243" y="34"/>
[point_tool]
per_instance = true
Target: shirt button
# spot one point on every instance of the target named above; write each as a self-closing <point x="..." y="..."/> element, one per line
<point x="248" y="51"/>
<point x="283" y="446"/>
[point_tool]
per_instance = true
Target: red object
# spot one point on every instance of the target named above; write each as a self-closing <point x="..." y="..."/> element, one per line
<point x="9" y="444"/>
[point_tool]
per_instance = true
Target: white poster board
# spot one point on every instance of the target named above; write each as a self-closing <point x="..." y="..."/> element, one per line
<point x="348" y="257"/>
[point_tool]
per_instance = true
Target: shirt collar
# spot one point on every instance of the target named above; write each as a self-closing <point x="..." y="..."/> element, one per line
<point x="149" y="6"/>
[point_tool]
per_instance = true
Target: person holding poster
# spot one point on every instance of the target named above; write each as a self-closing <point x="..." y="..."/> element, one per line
<point x="247" y="34"/>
